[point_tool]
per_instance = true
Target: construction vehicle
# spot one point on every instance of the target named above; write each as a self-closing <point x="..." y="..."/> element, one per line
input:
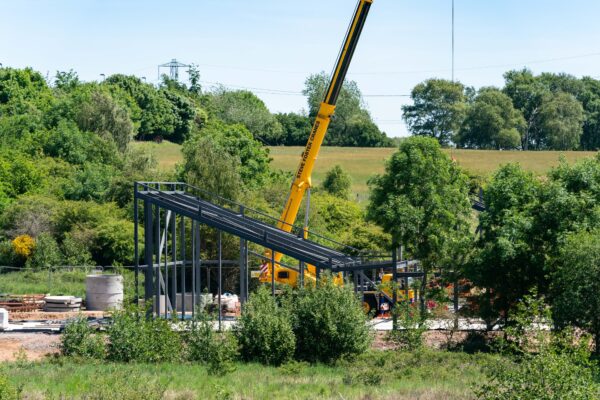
<point x="374" y="298"/>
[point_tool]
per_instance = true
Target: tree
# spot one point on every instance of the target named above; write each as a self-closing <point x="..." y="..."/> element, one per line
<point x="244" y="107"/>
<point x="590" y="98"/>
<point x="338" y="182"/>
<point x="296" y="128"/>
<point x="575" y="285"/>
<point x="239" y="143"/>
<point x="422" y="202"/>
<point x="351" y="124"/>
<point x="561" y="119"/>
<point x="526" y="93"/>
<point x="492" y="122"/>
<point x="66" y="80"/>
<point x="210" y="167"/>
<point x="437" y="111"/>
<point x="194" y="77"/>
<point x="100" y="114"/>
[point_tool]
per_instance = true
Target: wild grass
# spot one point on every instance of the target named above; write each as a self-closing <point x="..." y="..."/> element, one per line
<point x="362" y="163"/>
<point x="56" y="282"/>
<point x="377" y="375"/>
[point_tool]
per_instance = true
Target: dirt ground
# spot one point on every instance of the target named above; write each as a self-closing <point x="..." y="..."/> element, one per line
<point x="33" y="346"/>
<point x="50" y="316"/>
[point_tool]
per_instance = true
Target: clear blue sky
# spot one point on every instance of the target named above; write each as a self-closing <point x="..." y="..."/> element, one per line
<point x="275" y="44"/>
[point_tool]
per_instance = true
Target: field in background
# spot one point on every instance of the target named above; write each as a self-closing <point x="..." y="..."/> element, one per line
<point x="362" y="163"/>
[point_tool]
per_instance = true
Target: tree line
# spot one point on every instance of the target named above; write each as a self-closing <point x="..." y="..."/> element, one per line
<point x="531" y="112"/>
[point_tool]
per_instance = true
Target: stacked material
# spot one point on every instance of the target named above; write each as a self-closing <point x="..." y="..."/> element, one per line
<point x="62" y="303"/>
<point x="103" y="292"/>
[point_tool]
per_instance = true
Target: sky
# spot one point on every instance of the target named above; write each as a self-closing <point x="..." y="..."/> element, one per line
<point x="271" y="46"/>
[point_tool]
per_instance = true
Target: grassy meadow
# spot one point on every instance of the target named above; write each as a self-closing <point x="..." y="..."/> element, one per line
<point x="376" y="375"/>
<point x="362" y="163"/>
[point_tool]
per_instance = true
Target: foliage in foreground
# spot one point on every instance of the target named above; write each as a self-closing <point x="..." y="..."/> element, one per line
<point x="265" y="331"/>
<point x="329" y="322"/>
<point x="7" y="390"/>
<point x="80" y="340"/>
<point x="218" y="350"/>
<point x="134" y="338"/>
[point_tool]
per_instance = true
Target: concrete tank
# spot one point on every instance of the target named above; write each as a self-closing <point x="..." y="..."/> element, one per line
<point x="103" y="292"/>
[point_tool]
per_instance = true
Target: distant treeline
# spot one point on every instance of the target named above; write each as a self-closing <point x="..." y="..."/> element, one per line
<point x="543" y="112"/>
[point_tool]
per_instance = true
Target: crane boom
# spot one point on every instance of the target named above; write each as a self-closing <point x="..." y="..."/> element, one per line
<point x="302" y="179"/>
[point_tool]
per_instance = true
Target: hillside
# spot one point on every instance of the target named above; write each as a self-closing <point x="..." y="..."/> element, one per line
<point x="362" y="163"/>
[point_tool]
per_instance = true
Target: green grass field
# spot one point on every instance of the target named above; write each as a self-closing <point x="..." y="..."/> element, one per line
<point x="362" y="163"/>
<point x="387" y="375"/>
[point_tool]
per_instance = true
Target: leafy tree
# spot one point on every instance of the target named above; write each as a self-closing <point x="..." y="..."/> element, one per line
<point x="239" y="143"/>
<point x="103" y="116"/>
<point x="575" y="285"/>
<point x="296" y="129"/>
<point x="244" y="107"/>
<point x="422" y="202"/>
<point x="505" y="261"/>
<point x="209" y="166"/>
<point x="492" y="122"/>
<point x="23" y="91"/>
<point x="527" y="94"/>
<point x="590" y="98"/>
<point x="352" y="124"/>
<point x="151" y="109"/>
<point x="561" y="119"/>
<point x="437" y="111"/>
<point x="194" y="76"/>
<point x="338" y="182"/>
<point x="66" y="80"/>
<point x="46" y="253"/>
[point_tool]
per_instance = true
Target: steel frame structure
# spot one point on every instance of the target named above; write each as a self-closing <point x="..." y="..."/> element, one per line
<point x="171" y="209"/>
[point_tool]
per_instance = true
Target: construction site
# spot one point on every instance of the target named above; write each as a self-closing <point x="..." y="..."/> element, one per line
<point x="183" y="238"/>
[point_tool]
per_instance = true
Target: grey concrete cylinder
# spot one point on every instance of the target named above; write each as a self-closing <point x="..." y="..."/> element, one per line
<point x="103" y="292"/>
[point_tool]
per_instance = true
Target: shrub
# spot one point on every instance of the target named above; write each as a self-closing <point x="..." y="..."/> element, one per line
<point x="79" y="340"/>
<point x="46" y="253"/>
<point x="329" y="322"/>
<point x="135" y="338"/>
<point x="264" y="330"/>
<point x="23" y="245"/>
<point x="7" y="390"/>
<point x="216" y="349"/>
<point x="411" y="326"/>
<point x="338" y="182"/>
<point x="547" y="376"/>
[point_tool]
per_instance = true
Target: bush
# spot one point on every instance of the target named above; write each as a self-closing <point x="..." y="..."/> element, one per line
<point x="329" y="322"/>
<point x="79" y="340"/>
<point x="411" y="326"/>
<point x="135" y="338"/>
<point x="547" y="376"/>
<point x="337" y="182"/>
<point x="264" y="331"/>
<point x="46" y="253"/>
<point x="7" y="390"/>
<point x="216" y="349"/>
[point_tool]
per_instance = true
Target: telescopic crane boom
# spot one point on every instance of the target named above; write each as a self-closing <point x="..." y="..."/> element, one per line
<point x="302" y="179"/>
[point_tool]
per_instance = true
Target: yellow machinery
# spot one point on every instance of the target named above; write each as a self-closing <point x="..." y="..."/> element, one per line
<point x="302" y="179"/>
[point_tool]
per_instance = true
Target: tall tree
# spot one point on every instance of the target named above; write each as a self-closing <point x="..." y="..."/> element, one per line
<point x="352" y="124"/>
<point x="492" y="122"/>
<point x="561" y="120"/>
<point x="244" y="107"/>
<point x="422" y="202"/>
<point x="437" y="111"/>
<point x="338" y="182"/>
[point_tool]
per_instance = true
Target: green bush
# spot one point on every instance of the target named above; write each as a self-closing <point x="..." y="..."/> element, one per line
<point x="80" y="340"/>
<point x="411" y="326"/>
<point x="46" y="253"/>
<point x="329" y="322"/>
<point x="218" y="350"/>
<point x="264" y="330"/>
<point x="135" y="338"/>
<point x="547" y="376"/>
<point x="7" y="390"/>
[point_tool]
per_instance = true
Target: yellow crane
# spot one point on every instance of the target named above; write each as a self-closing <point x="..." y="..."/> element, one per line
<point x="302" y="179"/>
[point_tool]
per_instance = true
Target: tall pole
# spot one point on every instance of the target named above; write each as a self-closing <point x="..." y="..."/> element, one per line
<point x="452" y="40"/>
